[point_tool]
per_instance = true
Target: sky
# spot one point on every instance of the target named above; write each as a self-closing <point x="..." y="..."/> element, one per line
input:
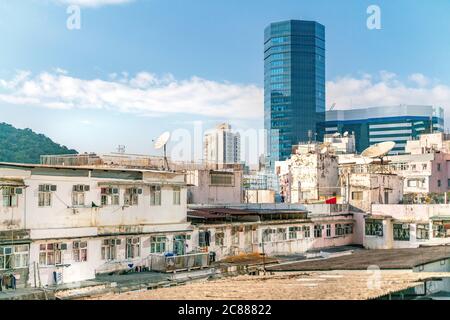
<point x="137" y="68"/>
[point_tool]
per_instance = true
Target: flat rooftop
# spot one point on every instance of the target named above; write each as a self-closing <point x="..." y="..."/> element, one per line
<point x="336" y="285"/>
<point x="362" y="259"/>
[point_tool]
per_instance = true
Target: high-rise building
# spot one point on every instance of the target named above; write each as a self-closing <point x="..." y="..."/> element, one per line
<point x="377" y="124"/>
<point x="294" y="85"/>
<point x="222" y="146"/>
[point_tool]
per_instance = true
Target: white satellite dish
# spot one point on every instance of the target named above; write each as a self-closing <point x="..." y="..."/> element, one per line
<point x="161" y="142"/>
<point x="378" y="150"/>
<point x="336" y="135"/>
<point x="346" y="134"/>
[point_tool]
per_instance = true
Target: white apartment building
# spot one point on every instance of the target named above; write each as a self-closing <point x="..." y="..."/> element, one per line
<point x="222" y="146"/>
<point x="61" y="224"/>
<point x="407" y="226"/>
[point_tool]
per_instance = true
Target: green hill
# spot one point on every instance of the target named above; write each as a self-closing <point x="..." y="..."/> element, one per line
<point x="24" y="145"/>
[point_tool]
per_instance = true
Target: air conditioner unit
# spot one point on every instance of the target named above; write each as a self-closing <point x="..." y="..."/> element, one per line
<point x="115" y="190"/>
<point x="139" y="191"/>
<point x="8" y="250"/>
<point x="61" y="246"/>
<point x="18" y="190"/>
<point x="53" y="187"/>
<point x="87" y="188"/>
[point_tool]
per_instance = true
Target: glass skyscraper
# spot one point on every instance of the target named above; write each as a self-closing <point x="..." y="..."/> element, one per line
<point x="294" y="85"/>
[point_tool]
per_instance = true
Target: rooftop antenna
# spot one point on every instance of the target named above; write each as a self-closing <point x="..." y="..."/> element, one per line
<point x="332" y="106"/>
<point x="379" y="150"/>
<point x="161" y="142"/>
<point x="121" y="149"/>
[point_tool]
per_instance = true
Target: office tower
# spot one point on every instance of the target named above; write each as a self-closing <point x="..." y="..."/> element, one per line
<point x="392" y="123"/>
<point x="294" y="85"/>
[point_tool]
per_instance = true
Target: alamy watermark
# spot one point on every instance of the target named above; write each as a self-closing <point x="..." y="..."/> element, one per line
<point x="374" y="19"/>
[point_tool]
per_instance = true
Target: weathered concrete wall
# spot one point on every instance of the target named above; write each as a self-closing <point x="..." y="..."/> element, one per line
<point x="202" y="192"/>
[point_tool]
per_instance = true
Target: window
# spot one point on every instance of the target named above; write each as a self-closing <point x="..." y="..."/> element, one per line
<point x="441" y="229"/>
<point x="79" y="251"/>
<point x="293" y="232"/>
<point x="78" y="194"/>
<point x="424" y="166"/>
<point x="155" y="195"/>
<point x="357" y="195"/>
<point x="401" y="232"/>
<point x="339" y="230"/>
<point x="158" y="244"/>
<point x="374" y="228"/>
<point x="133" y="248"/>
<point x="219" y="238"/>
<point x="438" y="167"/>
<point x="317" y="231"/>
<point x="10" y="195"/>
<point x="306" y="232"/>
<point x="45" y="194"/>
<point x="204" y="238"/>
<point x="439" y="183"/>
<point x="329" y="230"/>
<point x="109" y="249"/>
<point x="50" y="253"/>
<point x="176" y="195"/>
<point x="348" y="228"/>
<point x="14" y="257"/>
<point x="235" y="235"/>
<point x="267" y="235"/>
<point x="109" y="196"/>
<point x="131" y="196"/>
<point x="221" y="179"/>
<point x="422" y="232"/>
<point x="281" y="234"/>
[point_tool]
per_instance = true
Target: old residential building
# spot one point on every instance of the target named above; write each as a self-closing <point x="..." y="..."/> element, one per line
<point x="311" y="174"/>
<point x="407" y="226"/>
<point x="272" y="229"/>
<point x="68" y="223"/>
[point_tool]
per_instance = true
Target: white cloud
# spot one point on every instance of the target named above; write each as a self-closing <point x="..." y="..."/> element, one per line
<point x="147" y="94"/>
<point x="386" y="89"/>
<point x="92" y="3"/>
<point x="144" y="94"/>
<point x="419" y="79"/>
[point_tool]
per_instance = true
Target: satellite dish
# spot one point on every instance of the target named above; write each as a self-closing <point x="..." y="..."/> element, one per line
<point x="336" y="135"/>
<point x="378" y="150"/>
<point x="161" y="142"/>
<point x="346" y="134"/>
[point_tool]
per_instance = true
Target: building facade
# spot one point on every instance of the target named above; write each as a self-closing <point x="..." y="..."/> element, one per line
<point x="311" y="174"/>
<point x="294" y="85"/>
<point x="64" y="224"/>
<point x="222" y="146"/>
<point x="378" y="124"/>
<point x="407" y="226"/>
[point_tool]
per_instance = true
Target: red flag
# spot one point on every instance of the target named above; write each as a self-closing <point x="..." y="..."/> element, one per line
<point x="331" y="201"/>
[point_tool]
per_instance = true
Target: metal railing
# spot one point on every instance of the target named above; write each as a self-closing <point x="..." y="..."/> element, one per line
<point x="162" y="263"/>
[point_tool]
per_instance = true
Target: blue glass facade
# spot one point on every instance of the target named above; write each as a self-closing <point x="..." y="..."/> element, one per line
<point x="294" y="84"/>
<point x="378" y="124"/>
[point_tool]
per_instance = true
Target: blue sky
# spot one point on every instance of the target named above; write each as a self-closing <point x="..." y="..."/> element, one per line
<point x="138" y="68"/>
